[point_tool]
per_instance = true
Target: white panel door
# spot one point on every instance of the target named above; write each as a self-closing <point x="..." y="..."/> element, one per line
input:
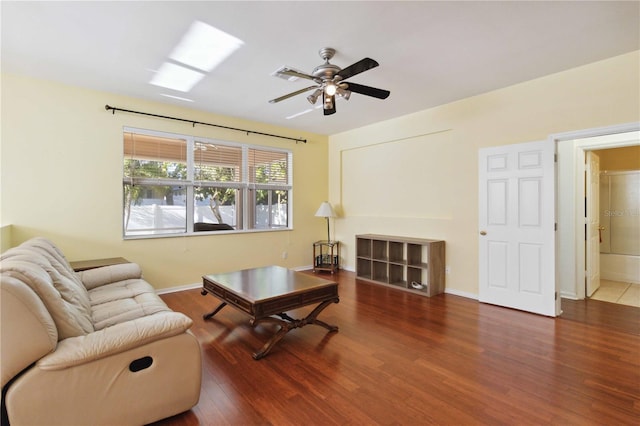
<point x="592" y="221"/>
<point x="517" y="226"/>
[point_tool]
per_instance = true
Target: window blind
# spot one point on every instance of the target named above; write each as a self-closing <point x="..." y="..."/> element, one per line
<point x="144" y="147"/>
<point x="269" y="169"/>
<point x="217" y="163"/>
<point x="154" y="158"/>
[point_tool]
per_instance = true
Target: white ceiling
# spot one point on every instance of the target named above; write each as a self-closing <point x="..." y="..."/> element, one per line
<point x="430" y="53"/>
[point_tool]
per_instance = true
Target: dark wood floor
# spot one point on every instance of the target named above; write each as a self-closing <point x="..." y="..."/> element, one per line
<point x="405" y="359"/>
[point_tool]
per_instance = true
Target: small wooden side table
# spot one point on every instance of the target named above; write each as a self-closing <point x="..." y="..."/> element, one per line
<point x="83" y="265"/>
<point x="326" y="256"/>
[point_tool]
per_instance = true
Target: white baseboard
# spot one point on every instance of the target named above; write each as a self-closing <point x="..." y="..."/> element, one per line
<point x="199" y="285"/>
<point x="461" y="293"/>
<point x="179" y="288"/>
<point x="306" y="268"/>
<point x="568" y="295"/>
<point x="302" y="268"/>
<point x="618" y="267"/>
<point x="620" y="276"/>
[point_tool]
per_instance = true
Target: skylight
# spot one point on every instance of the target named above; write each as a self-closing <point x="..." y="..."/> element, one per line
<point x="200" y="50"/>
<point x="176" y="77"/>
<point x="204" y="47"/>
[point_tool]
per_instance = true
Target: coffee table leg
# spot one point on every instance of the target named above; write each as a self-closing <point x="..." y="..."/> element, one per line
<point x="288" y="323"/>
<point x="311" y="318"/>
<point x="215" y="311"/>
<point x="285" y="327"/>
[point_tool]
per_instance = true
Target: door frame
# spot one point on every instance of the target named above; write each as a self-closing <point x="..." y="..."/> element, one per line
<point x="592" y="221"/>
<point x="570" y="244"/>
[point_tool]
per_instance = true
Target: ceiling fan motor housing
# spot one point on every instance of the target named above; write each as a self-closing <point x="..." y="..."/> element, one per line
<point x="327" y="53"/>
<point x="326" y="71"/>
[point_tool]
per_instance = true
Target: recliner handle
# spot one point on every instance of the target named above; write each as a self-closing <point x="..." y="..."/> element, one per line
<point x="140" y="364"/>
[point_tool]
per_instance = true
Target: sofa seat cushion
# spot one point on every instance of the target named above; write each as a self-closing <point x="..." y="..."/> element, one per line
<point x="123" y="301"/>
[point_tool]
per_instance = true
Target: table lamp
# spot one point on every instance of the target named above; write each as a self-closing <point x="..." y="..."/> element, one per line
<point x="326" y="211"/>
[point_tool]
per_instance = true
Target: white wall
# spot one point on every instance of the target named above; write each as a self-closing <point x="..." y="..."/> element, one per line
<point x="620" y="267"/>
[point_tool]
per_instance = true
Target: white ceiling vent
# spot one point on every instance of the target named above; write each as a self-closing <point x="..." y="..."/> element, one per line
<point x="279" y="71"/>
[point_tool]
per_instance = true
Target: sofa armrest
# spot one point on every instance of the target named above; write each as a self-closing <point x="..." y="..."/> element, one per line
<point x="92" y="278"/>
<point x="115" y="339"/>
<point x="28" y="331"/>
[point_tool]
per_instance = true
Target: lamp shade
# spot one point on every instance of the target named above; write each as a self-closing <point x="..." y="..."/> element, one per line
<point x="325" y="210"/>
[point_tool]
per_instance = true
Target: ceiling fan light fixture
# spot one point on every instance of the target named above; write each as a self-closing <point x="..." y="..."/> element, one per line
<point x="312" y="98"/>
<point x="330" y="89"/>
<point x="344" y="94"/>
<point x="328" y="102"/>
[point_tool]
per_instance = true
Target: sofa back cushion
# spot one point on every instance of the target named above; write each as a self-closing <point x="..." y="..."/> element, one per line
<point x="50" y="277"/>
<point x="59" y="262"/>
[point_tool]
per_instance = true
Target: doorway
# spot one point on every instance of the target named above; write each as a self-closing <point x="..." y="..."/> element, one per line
<point x="572" y="245"/>
<point x="618" y="218"/>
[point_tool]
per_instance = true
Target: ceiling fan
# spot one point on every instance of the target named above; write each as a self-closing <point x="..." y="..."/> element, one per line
<point x="330" y="81"/>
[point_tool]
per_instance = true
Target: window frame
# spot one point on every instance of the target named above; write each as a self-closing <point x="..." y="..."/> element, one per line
<point x="246" y="187"/>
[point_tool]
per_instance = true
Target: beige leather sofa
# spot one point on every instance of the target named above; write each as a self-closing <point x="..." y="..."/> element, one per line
<point x="90" y="348"/>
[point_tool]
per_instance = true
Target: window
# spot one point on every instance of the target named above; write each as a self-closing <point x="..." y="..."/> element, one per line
<point x="177" y="185"/>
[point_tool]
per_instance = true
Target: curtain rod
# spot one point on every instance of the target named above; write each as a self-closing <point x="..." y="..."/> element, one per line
<point x="193" y="123"/>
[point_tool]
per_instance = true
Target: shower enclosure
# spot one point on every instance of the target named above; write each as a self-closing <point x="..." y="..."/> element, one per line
<point x="620" y="224"/>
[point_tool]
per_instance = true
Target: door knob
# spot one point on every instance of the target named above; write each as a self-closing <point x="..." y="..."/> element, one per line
<point x="600" y="228"/>
<point x="483" y="232"/>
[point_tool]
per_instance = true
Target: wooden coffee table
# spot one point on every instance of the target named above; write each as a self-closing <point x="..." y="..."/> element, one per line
<point x="267" y="293"/>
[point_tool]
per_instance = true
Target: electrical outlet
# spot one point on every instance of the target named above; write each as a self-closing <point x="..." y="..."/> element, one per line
<point x="284" y="254"/>
<point x="447" y="270"/>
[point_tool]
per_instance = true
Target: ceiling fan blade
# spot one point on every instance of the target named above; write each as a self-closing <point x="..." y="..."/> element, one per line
<point x="360" y="66"/>
<point x="367" y="90"/>
<point x="294" y="73"/>
<point x="332" y="109"/>
<point x="297" y="92"/>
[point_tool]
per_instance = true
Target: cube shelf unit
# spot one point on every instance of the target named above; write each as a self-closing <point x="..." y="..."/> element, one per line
<point x="412" y="264"/>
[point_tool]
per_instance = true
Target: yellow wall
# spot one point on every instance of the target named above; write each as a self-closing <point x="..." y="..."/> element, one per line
<point x="412" y="176"/>
<point x="62" y="178"/>
<point x="5" y="238"/>
<point x="625" y="158"/>
<point x="419" y="177"/>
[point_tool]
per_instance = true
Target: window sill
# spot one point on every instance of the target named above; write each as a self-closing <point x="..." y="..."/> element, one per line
<point x="203" y="233"/>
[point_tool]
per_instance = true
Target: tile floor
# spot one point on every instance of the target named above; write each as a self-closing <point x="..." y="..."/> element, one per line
<point x="618" y="292"/>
